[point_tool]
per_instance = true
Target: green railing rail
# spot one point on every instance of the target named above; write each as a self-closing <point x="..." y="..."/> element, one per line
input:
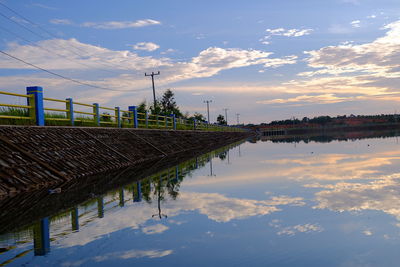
<point x="41" y="111"/>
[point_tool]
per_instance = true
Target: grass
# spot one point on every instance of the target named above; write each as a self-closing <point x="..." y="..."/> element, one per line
<point x="86" y="121"/>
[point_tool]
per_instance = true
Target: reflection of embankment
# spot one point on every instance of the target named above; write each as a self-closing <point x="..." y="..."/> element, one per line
<point x="37" y="157"/>
<point x="329" y="136"/>
<point x="23" y="209"/>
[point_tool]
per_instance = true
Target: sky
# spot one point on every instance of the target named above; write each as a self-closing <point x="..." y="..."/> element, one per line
<point x="263" y="59"/>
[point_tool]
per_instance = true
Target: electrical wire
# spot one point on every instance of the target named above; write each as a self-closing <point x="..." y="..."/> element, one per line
<point x="51" y="52"/>
<point x="62" y="76"/>
<point x="49" y="33"/>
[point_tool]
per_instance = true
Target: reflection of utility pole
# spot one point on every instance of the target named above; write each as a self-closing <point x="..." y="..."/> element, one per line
<point x="121" y="197"/>
<point x="211" y="167"/>
<point x="75" y="219"/>
<point x="100" y="207"/>
<point x="226" y="115"/>
<point x="208" y="109"/>
<point x="239" y="152"/>
<point x="154" y="90"/>
<point x="228" y="157"/>
<point x="137" y="192"/>
<point x="160" y="215"/>
<point x="237" y="118"/>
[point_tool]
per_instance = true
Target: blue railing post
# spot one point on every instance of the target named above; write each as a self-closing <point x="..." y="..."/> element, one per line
<point x="41" y="237"/>
<point x="118" y="116"/>
<point x="96" y="111"/>
<point x="70" y="113"/>
<point x="133" y="109"/>
<point x="174" y="121"/>
<point x="36" y="101"/>
<point x="194" y="124"/>
<point x="146" y="115"/>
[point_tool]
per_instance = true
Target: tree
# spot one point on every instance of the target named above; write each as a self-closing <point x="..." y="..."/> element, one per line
<point x="142" y="108"/>
<point x="168" y="104"/>
<point x="199" y="117"/>
<point x="157" y="109"/>
<point x="221" y="120"/>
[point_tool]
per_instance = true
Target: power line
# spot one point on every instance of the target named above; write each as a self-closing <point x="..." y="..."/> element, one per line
<point x="59" y="75"/>
<point x="49" y="33"/>
<point x="51" y="52"/>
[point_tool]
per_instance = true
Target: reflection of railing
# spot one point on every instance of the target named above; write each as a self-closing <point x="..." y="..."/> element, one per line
<point x="155" y="186"/>
<point x="42" y="111"/>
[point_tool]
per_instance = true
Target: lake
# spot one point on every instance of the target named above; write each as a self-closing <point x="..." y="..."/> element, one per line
<point x="319" y="201"/>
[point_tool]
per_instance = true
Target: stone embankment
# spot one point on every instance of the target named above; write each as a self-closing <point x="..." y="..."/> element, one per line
<point x="37" y="157"/>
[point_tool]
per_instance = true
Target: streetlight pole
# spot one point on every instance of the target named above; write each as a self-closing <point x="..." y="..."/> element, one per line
<point x="237" y="118"/>
<point x="208" y="109"/>
<point x="226" y="115"/>
<point x="152" y="82"/>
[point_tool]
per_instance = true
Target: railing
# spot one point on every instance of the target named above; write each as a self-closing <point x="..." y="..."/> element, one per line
<point x="43" y="111"/>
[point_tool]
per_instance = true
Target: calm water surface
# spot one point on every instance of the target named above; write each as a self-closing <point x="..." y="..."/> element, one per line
<point x="258" y="204"/>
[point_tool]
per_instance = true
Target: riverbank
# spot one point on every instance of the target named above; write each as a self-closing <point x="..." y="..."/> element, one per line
<point x="37" y="157"/>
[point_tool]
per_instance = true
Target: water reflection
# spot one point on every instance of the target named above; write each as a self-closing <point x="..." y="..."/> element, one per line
<point x="317" y="204"/>
<point x="154" y="187"/>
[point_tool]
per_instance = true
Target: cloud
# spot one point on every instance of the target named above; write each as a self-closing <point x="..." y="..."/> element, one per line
<point x="355" y="24"/>
<point x="300" y="228"/>
<point x="169" y="51"/>
<point x="61" y="21"/>
<point x="154" y="229"/>
<point x="111" y="25"/>
<point x="348" y="72"/>
<point x="146" y="46"/>
<point x="284" y="32"/>
<point x="289" y="32"/>
<point x="124" y="255"/>
<point x="44" y="6"/>
<point x="379" y="58"/>
<point x="381" y="194"/>
<point x="318" y="99"/>
<point x="292" y="230"/>
<point x="339" y="29"/>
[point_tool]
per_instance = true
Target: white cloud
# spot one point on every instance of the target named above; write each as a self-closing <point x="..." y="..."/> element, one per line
<point x="61" y="21"/>
<point x="125" y="255"/>
<point x="289" y="32"/>
<point x="371" y="17"/>
<point x="284" y="32"/>
<point x="146" y="46"/>
<point x="381" y="194"/>
<point x="300" y="228"/>
<point x="319" y="99"/>
<point x="355" y="24"/>
<point x="168" y="51"/>
<point x="154" y="229"/>
<point x="110" y="25"/>
<point x="339" y="29"/>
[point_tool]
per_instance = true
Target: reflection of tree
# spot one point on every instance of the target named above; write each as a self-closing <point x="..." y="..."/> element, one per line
<point x="222" y="156"/>
<point x="159" y="191"/>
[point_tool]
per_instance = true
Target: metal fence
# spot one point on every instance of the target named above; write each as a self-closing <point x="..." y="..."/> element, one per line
<point x="41" y="111"/>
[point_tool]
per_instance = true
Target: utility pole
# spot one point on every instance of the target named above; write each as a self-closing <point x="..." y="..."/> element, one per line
<point x="237" y="118"/>
<point x="208" y="109"/>
<point x="154" y="90"/>
<point x="226" y="115"/>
